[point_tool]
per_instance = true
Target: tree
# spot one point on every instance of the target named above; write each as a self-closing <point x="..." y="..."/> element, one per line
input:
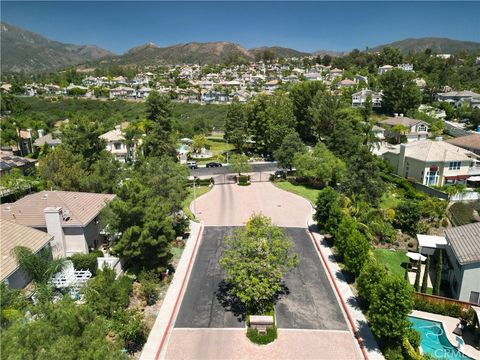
<point x="144" y="213"/>
<point x="256" y="259"/>
<point x="329" y="211"/>
<point x="159" y="131"/>
<point x="319" y="165"/>
<point x="425" y="275"/>
<point x="390" y="56"/>
<point x="323" y="112"/>
<point x="291" y="145"/>
<point x="416" y="286"/>
<point x="390" y="306"/>
<point x="40" y="266"/>
<point x="407" y="216"/>
<point x="240" y="163"/>
<point x="370" y="276"/>
<point x="199" y="142"/>
<point x="438" y="273"/>
<point x="400" y="93"/>
<point x="236" y="125"/>
<point x="356" y="252"/>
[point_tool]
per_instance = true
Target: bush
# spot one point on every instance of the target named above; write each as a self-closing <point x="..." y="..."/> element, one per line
<point x="86" y="261"/>
<point x="393" y="353"/>
<point x="452" y="310"/>
<point x="148" y="287"/>
<point x="259" y="339"/>
<point x="409" y="352"/>
<point x="243" y="180"/>
<point x="414" y="338"/>
<point x="130" y="328"/>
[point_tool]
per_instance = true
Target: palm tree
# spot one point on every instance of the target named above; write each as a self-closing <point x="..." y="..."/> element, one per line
<point x="40" y="267"/>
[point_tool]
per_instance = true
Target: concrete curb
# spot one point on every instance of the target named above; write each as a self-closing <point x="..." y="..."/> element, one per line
<point x="161" y="329"/>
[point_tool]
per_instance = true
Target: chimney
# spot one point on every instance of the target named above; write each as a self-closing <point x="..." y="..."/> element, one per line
<point x="41" y="133"/>
<point x="117" y="128"/>
<point x="53" y="218"/>
<point x="401" y="160"/>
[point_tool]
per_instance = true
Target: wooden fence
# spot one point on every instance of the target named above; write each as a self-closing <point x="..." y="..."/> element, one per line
<point x="443" y="300"/>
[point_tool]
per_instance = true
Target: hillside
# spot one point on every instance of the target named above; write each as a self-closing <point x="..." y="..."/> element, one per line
<point x="279" y="51"/>
<point x="437" y="45"/>
<point x="25" y="51"/>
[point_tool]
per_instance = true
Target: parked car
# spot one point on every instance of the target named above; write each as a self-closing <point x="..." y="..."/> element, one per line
<point x="192" y="165"/>
<point x="213" y="164"/>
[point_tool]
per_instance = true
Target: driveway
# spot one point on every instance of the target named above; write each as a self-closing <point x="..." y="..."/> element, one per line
<point x="233" y="205"/>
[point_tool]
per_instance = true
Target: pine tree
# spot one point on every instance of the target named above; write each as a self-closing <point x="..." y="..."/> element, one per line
<point x="438" y="273"/>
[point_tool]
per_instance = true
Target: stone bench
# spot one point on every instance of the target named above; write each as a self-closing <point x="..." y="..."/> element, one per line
<point x="261" y="322"/>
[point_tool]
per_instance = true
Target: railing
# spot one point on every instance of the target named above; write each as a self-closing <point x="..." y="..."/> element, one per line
<point x="443" y="300"/>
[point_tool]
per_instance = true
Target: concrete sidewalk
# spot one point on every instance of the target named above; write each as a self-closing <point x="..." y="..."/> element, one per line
<point x="161" y="330"/>
<point x="364" y="332"/>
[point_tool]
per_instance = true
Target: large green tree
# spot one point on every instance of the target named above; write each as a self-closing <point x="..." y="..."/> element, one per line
<point x="328" y="210"/>
<point x="400" y="92"/>
<point x="371" y="275"/>
<point x="256" y="259"/>
<point x="236" y="125"/>
<point x="291" y="145"/>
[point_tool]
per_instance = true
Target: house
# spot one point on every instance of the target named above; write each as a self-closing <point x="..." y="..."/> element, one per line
<point x="360" y="79"/>
<point x="405" y="67"/>
<point x="432" y="163"/>
<point x="14" y="235"/>
<point x="122" y="91"/>
<point x="335" y="73"/>
<point x="379" y="132"/>
<point x="50" y="139"/>
<point x="413" y="129"/>
<point x="271" y="85"/>
<point x="457" y="98"/>
<point x="384" y="69"/>
<point x="359" y="98"/>
<point x="463" y="253"/>
<point x="346" y="83"/>
<point x="9" y="161"/>
<point x="469" y="142"/>
<point x="421" y="83"/>
<point x="313" y="76"/>
<point x="72" y="218"/>
<point x="117" y="145"/>
<point x="143" y="92"/>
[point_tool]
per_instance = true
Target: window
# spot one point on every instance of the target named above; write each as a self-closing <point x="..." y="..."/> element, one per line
<point x="474" y="297"/>
<point x="454" y="165"/>
<point x="422" y="128"/>
<point x="118" y="146"/>
<point x="431" y="178"/>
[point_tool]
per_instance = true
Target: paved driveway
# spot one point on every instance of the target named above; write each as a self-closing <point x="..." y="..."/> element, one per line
<point x="309" y="304"/>
<point x="233" y="205"/>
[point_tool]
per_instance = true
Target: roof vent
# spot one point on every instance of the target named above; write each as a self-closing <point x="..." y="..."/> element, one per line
<point x="45" y="196"/>
<point x="65" y="215"/>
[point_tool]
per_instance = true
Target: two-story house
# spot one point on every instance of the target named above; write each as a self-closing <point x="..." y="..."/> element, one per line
<point x="359" y="98"/>
<point x="384" y="69"/>
<point x="432" y="163"/>
<point x="463" y="252"/>
<point x="400" y="125"/>
<point x="117" y="144"/>
<point x="469" y="142"/>
<point x="72" y="218"/>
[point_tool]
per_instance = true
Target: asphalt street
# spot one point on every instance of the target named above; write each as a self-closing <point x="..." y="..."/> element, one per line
<point x="309" y="302"/>
<point x="225" y="169"/>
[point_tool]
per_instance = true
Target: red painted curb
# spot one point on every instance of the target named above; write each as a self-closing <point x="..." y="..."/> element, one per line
<point x="157" y="355"/>
<point x="350" y="319"/>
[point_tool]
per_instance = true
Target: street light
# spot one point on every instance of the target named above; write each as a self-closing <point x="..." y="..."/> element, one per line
<point x="193" y="178"/>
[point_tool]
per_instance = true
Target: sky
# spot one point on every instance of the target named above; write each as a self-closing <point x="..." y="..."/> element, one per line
<point x="306" y="26"/>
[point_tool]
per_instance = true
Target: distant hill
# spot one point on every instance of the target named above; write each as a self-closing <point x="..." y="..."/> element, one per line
<point x="330" y="52"/>
<point x="437" y="45"/>
<point x="25" y="51"/>
<point x="279" y="51"/>
<point x="202" y="53"/>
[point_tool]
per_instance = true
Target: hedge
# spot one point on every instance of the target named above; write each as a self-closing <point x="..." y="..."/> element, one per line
<point x="452" y="310"/>
<point x="243" y="180"/>
<point x="86" y="261"/>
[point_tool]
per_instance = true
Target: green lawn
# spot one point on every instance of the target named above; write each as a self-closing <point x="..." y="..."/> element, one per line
<point x="219" y="147"/>
<point x="393" y="260"/>
<point x="199" y="190"/>
<point x="308" y="193"/>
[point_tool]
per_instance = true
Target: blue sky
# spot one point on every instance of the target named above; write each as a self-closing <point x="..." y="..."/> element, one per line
<point x="306" y="26"/>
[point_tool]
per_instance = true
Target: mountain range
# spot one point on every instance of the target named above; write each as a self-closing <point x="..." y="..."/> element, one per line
<point x="25" y="51"/>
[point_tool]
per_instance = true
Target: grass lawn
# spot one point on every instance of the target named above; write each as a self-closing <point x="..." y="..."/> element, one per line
<point x="393" y="260"/>
<point x="219" y="147"/>
<point x="308" y="193"/>
<point x="199" y="190"/>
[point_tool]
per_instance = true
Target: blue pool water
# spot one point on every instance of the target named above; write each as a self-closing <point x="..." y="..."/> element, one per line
<point x="434" y="340"/>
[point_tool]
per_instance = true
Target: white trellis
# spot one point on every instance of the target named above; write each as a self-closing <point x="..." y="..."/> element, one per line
<point x="70" y="278"/>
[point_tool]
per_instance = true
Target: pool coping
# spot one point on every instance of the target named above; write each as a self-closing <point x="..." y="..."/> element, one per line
<point x="464" y="349"/>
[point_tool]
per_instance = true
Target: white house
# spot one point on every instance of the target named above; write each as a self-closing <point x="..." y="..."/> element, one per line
<point x="405" y="67"/>
<point x="72" y="218"/>
<point x="122" y="91"/>
<point x="383" y="69"/>
<point x="414" y="129"/>
<point x="346" y="83"/>
<point x="432" y="162"/>
<point x="117" y="144"/>
<point x="457" y="98"/>
<point x="359" y="98"/>
<point x="314" y="76"/>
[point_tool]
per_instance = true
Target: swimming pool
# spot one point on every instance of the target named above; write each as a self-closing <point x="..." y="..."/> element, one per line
<point x="435" y="341"/>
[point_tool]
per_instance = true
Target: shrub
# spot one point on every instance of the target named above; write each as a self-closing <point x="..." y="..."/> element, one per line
<point x="243" y="180"/>
<point x="130" y="328"/>
<point x="393" y="353"/>
<point x="452" y="310"/>
<point x="259" y="339"/>
<point x="414" y="338"/>
<point x="370" y="276"/>
<point x="86" y="261"/>
<point x="148" y="287"/>
<point x="409" y="352"/>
